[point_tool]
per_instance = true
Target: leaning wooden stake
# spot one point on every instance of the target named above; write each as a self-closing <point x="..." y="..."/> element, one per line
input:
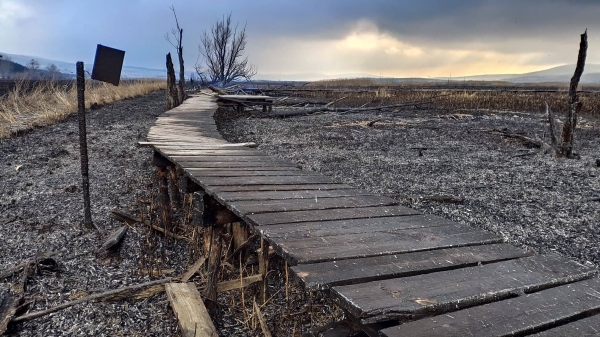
<point x="574" y="104"/>
<point x="261" y="319"/>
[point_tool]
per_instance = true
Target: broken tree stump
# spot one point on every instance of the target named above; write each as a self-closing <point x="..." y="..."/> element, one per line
<point x="191" y="313"/>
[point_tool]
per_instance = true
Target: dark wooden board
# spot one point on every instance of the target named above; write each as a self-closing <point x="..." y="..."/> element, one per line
<point x="272" y="180"/>
<point x="283" y="195"/>
<point x="513" y="317"/>
<point x="188" y="152"/>
<point x="267" y="164"/>
<point x="297" y="187"/>
<point x="586" y="327"/>
<point x="352" y="226"/>
<point x="248" y="167"/>
<point x="436" y="293"/>
<point x="350" y="246"/>
<point x="324" y="215"/>
<point x="248" y="173"/>
<point x="223" y="158"/>
<point x="323" y="275"/>
<point x="269" y="206"/>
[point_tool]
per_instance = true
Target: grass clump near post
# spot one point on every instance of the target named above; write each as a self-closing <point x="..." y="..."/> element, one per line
<point x="33" y="104"/>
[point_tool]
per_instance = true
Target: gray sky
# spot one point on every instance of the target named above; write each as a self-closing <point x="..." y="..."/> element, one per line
<point x="390" y="38"/>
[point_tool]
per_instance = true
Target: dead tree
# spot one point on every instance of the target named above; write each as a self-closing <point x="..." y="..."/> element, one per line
<point x="172" y="95"/>
<point x="566" y="148"/>
<point x="178" y="35"/>
<point x="223" y="51"/>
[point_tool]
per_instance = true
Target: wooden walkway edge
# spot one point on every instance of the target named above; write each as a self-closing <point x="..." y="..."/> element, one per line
<point x="393" y="270"/>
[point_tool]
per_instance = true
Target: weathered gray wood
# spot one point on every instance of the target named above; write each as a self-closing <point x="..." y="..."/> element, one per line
<point x="233" y="164"/>
<point x="114" y="238"/>
<point x="248" y="173"/>
<point x="348" y="246"/>
<point x="248" y="167"/>
<point x="429" y="294"/>
<point x="323" y="275"/>
<point x="270" y="180"/>
<point x="183" y="152"/>
<point x="586" y="327"/>
<point x="211" y="158"/>
<point x="190" y="311"/>
<point x="514" y="317"/>
<point x="296" y="187"/>
<point x="284" y="195"/>
<point x="266" y="206"/>
<point x="352" y="226"/>
<point x="323" y="215"/>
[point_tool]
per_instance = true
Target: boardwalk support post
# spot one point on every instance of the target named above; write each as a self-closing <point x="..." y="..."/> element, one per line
<point x="263" y="267"/>
<point x="164" y="200"/>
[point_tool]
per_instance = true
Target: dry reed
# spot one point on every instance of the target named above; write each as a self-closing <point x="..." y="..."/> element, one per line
<point x="27" y="105"/>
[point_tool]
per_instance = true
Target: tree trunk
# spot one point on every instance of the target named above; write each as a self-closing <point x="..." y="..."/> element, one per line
<point x="181" y="68"/>
<point x="172" y="95"/>
<point x="574" y="104"/>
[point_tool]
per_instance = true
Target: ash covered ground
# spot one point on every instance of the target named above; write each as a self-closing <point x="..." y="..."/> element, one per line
<point x="456" y="165"/>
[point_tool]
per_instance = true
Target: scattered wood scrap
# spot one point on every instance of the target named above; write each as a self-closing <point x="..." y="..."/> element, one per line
<point x="261" y="319"/>
<point x="193" y="269"/>
<point x="114" y="239"/>
<point x="130" y="219"/>
<point x="191" y="313"/>
<point x="103" y="296"/>
<point x="239" y="283"/>
<point x="33" y="261"/>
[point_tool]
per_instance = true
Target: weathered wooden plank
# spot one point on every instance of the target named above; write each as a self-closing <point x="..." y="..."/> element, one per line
<point x="352" y="226"/>
<point x="349" y="246"/>
<point x="271" y="180"/>
<point x="323" y="275"/>
<point x="203" y="158"/>
<point x="250" y="167"/>
<point x="296" y="187"/>
<point x="402" y="298"/>
<point x="324" y="215"/>
<point x="267" y="206"/>
<point x="257" y="165"/>
<point x="184" y="152"/>
<point x="283" y="195"/>
<point x="586" y="327"/>
<point x="190" y="310"/>
<point x="516" y="317"/>
<point x="248" y="173"/>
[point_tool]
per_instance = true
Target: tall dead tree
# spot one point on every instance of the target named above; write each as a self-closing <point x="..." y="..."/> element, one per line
<point x="178" y="35"/>
<point x="566" y="148"/>
<point x="223" y="51"/>
<point x="172" y="94"/>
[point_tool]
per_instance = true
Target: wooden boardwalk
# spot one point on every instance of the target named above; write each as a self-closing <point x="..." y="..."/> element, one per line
<point x="395" y="271"/>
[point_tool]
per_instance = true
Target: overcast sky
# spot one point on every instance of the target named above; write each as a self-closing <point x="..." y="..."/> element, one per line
<point x="398" y="38"/>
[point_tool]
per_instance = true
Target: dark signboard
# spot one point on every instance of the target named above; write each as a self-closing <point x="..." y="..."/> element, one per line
<point x="108" y="64"/>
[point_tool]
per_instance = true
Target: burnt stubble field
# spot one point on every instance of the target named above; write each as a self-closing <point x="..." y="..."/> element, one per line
<point x="458" y="164"/>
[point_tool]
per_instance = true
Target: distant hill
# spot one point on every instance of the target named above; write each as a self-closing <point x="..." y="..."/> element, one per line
<point x="7" y="68"/>
<point x="68" y="68"/>
<point x="591" y="74"/>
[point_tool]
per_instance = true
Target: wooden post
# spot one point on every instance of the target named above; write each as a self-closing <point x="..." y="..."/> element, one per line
<point x="214" y="261"/>
<point x="174" y="187"/>
<point x="240" y="233"/>
<point x="264" y="108"/>
<point x="164" y="200"/>
<point x="263" y="267"/>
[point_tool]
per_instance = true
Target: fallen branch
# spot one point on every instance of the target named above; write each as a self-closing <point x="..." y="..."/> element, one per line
<point x="95" y="297"/>
<point x="131" y="220"/>
<point x="242" y="246"/>
<point x="35" y="260"/>
<point x="193" y="269"/>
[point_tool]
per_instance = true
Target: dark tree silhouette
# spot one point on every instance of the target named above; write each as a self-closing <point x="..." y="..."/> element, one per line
<point x="178" y="35"/>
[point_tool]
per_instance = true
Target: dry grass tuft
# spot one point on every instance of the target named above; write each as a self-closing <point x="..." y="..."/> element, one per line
<point x="28" y="106"/>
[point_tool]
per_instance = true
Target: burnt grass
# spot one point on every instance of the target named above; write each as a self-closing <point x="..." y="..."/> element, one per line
<point x="497" y="183"/>
<point x="459" y="166"/>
